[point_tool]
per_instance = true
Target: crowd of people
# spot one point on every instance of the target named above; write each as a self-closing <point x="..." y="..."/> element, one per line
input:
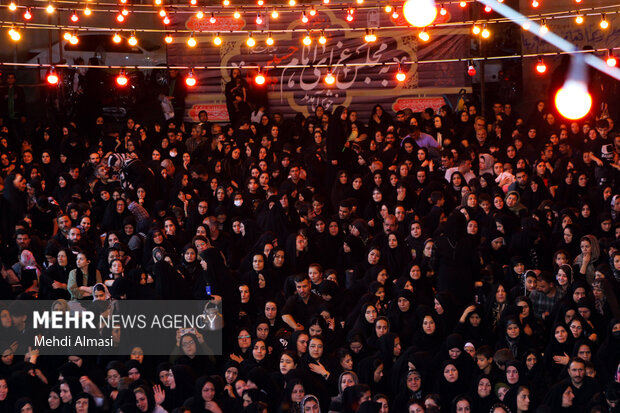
<point x="453" y="261"/>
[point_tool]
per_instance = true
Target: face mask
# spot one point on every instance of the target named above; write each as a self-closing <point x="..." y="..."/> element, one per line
<point x="238" y="202"/>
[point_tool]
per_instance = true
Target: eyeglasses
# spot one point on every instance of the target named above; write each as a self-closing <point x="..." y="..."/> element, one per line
<point x="243" y="337"/>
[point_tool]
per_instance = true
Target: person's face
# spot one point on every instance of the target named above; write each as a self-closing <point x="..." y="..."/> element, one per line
<point x="512" y="331"/>
<point x="244" y="292"/>
<point x="560" y="334"/>
<point x="454" y="353"/>
<point x="578" y="294"/>
<point x="62" y="259"/>
<point x="482" y="362"/>
<point x="381" y="328"/>
<point x="133" y="374"/>
<point x="512" y="375"/>
<point x="189" y="346"/>
<point x="53" y="400"/>
<point x="428" y="325"/>
<point x="259" y="351"/>
<point x="142" y="402"/>
<point x="450" y="373"/>
<point x="315" y="348"/>
<point x="258" y="263"/>
<point x="370" y="314"/>
<point x="500" y="294"/>
<point x="438" y="307"/>
<point x="523" y="400"/>
<point x="27" y="408"/>
<point x="303" y="289"/>
<point x="484" y="388"/>
<point x="462" y="406"/>
<point x="65" y="393"/>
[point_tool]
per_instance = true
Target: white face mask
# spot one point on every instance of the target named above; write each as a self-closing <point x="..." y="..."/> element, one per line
<point x="238" y="202"/>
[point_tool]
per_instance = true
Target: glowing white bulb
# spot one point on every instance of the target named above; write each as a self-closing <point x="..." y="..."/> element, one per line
<point x="573" y="100"/>
<point x="419" y="13"/>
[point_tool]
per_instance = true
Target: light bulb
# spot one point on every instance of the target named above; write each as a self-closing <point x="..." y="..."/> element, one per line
<point x="67" y="36"/>
<point x="443" y="10"/>
<point x="212" y="19"/>
<point x="475" y="29"/>
<point x="200" y="14"/>
<point x="329" y="78"/>
<point x="485" y="33"/>
<point x="573" y="100"/>
<point x="260" y="2"/>
<point x="611" y="59"/>
<point x="541" y="67"/>
<point x="312" y="11"/>
<point x="604" y="23"/>
<point x="87" y="11"/>
<point x="360" y="1"/>
<point x="535" y="3"/>
<point x="120" y="18"/>
<point x="325" y="1"/>
<point x="463" y="4"/>
<point x="132" y="40"/>
<point x="260" y="78"/>
<point x="259" y="20"/>
<point x="307" y="40"/>
<point x="121" y="79"/>
<point x="400" y="75"/>
<point x="419" y="13"/>
<point x="388" y="8"/>
<point x="168" y="39"/>
<point x="74" y="17"/>
<point x="12" y="6"/>
<point x="292" y="3"/>
<point x="74" y="40"/>
<point x="236" y="14"/>
<point x="15" y="35"/>
<point x="52" y="77"/>
<point x="158" y="2"/>
<point x="304" y="18"/>
<point x="370" y="36"/>
<point x="269" y="40"/>
<point x="349" y="17"/>
<point x="217" y="40"/>
<point x="395" y="15"/>
<point x="424" y="36"/>
<point x="250" y="42"/>
<point x="526" y="25"/>
<point x="579" y="19"/>
<point x="322" y="39"/>
<point x="124" y="12"/>
<point x="27" y="14"/>
<point x="166" y="20"/>
<point x="193" y="2"/>
<point x="49" y="9"/>
<point x="116" y="38"/>
<point x="543" y="28"/>
<point x="274" y="14"/>
<point x="190" y="80"/>
<point x="226" y="3"/>
<point x="488" y="9"/>
<point x="162" y="13"/>
<point x="191" y="42"/>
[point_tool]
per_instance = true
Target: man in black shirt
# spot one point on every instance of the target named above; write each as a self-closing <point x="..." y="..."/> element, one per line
<point x="301" y="307"/>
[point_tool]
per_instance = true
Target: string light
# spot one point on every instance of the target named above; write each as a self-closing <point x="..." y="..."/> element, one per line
<point x="259" y="20"/>
<point x="168" y="39"/>
<point x="604" y="23"/>
<point x="395" y="14"/>
<point x="370" y="36"/>
<point x="419" y="13"/>
<point x="388" y="8"/>
<point x="443" y="10"/>
<point x="475" y="29"/>
<point x="325" y="1"/>
<point x="424" y="36"/>
<point x="307" y="40"/>
<point x="66" y="36"/>
<point x="121" y="79"/>
<point x="87" y="11"/>
<point x="200" y="14"/>
<point x="158" y="2"/>
<point x="212" y="19"/>
<point x="260" y="78"/>
<point x="132" y="40"/>
<point x="217" y="40"/>
<point x="485" y="32"/>
<point x="541" y="67"/>
<point x="120" y="18"/>
<point x="226" y="3"/>
<point x="260" y="2"/>
<point x="292" y="3"/>
<point x="12" y="6"/>
<point x="190" y="80"/>
<point x="162" y="13"/>
<point x="304" y="18"/>
<point x="166" y="20"/>
<point x="236" y="14"/>
<point x="573" y="100"/>
<point x="74" y="39"/>
<point x="50" y="8"/>
<point x="116" y="38"/>
<point x="611" y="59"/>
<point x="526" y="25"/>
<point x="312" y="11"/>
<point x="329" y="77"/>
<point x="124" y="12"/>
<point x="27" y="14"/>
<point x="275" y="14"/>
<point x="322" y="39"/>
<point x="14" y="34"/>
<point x="250" y="41"/>
<point x="488" y="9"/>
<point x="191" y="42"/>
<point x="579" y="19"/>
<point x="463" y="4"/>
<point x="471" y="70"/>
<point x="535" y="3"/>
<point x="52" y="77"/>
<point x="350" y="15"/>
<point x="360" y="1"/>
<point x="193" y="2"/>
<point x="123" y="1"/>
<point x="269" y="40"/>
<point x="543" y="27"/>
<point x="400" y="75"/>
